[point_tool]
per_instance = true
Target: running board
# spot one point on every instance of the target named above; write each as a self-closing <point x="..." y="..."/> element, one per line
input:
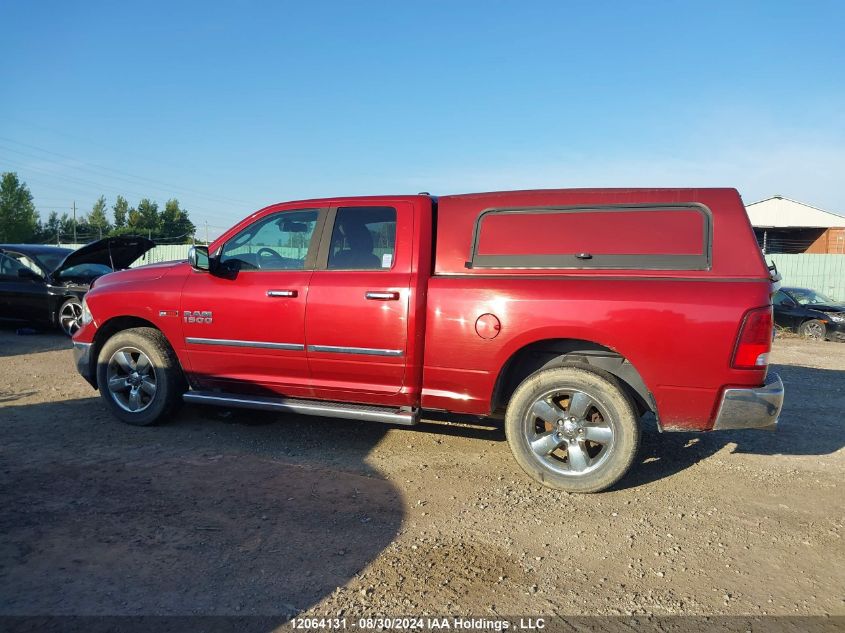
<point x="404" y="416"/>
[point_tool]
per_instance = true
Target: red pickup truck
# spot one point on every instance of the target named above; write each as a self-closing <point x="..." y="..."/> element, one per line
<point x="570" y="313"/>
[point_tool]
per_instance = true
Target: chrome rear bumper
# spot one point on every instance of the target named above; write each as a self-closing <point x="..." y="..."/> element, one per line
<point x="751" y="408"/>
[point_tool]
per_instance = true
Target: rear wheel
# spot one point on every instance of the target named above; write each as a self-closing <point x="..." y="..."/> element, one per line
<point x="813" y="329"/>
<point x="573" y="429"/>
<point x="69" y="316"/>
<point x="139" y="376"/>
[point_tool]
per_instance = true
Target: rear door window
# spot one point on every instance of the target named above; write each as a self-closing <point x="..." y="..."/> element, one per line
<point x="363" y="238"/>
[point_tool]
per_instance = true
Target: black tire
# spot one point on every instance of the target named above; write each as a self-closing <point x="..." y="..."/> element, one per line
<point x="813" y="329"/>
<point x="162" y="370"/>
<point x="610" y="417"/>
<point x="69" y="314"/>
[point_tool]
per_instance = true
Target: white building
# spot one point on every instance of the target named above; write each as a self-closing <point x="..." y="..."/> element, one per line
<point x="787" y="226"/>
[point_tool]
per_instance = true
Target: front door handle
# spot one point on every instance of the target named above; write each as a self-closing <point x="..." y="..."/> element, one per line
<point x="380" y="295"/>
<point x="282" y="293"/>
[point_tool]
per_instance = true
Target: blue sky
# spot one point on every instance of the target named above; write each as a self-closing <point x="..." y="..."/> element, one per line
<point x="232" y="106"/>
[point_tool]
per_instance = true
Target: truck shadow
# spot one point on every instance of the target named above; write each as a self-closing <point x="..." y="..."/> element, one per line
<point x="811" y="423"/>
<point x="242" y="513"/>
<point x="210" y="514"/>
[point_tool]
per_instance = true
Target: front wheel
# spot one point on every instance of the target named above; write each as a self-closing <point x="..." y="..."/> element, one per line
<point x="573" y="429"/>
<point x="813" y="329"/>
<point x="139" y="376"/>
<point x="69" y="316"/>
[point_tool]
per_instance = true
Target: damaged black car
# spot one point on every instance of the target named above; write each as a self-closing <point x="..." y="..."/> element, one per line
<point x="43" y="286"/>
<point x="810" y="313"/>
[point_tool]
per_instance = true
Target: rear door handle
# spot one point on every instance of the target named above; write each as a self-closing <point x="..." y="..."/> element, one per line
<point x="380" y="295"/>
<point x="282" y="293"/>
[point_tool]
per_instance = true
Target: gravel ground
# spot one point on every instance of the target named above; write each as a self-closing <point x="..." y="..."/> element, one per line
<point x="233" y="512"/>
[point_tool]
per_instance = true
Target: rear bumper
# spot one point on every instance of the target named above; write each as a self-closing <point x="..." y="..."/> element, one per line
<point x="751" y="408"/>
<point x="84" y="363"/>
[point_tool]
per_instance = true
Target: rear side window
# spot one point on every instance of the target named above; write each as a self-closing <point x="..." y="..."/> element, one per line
<point x="653" y="237"/>
<point x="363" y="238"/>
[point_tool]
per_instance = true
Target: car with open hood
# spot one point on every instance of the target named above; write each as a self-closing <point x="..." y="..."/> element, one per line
<point x="43" y="285"/>
<point x="810" y="313"/>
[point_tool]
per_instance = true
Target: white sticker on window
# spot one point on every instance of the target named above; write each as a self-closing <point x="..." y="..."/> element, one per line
<point x="387" y="260"/>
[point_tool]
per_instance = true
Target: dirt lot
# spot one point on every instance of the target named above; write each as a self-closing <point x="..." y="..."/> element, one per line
<point x="223" y="512"/>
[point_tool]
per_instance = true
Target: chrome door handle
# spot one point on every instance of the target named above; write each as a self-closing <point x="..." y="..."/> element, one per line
<point x="382" y="295"/>
<point x="282" y="293"/>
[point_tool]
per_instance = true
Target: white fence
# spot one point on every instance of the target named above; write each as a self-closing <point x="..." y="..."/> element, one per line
<point x="823" y="273"/>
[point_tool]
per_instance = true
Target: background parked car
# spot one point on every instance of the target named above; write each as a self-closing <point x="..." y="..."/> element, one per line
<point x="810" y="313"/>
<point x="44" y="285"/>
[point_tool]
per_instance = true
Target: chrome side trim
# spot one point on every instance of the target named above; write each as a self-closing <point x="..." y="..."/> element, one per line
<point x="369" y="351"/>
<point x="407" y="417"/>
<point x="296" y="347"/>
<point x="751" y="408"/>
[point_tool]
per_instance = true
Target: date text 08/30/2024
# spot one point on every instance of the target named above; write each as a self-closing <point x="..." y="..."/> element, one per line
<point x="419" y="624"/>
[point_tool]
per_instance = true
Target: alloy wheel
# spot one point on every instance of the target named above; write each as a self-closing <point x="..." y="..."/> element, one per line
<point x="69" y="317"/>
<point x="569" y="431"/>
<point x="815" y="330"/>
<point x="131" y="379"/>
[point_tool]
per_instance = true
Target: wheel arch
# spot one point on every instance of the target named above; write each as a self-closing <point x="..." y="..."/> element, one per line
<point x="58" y="302"/>
<point x="111" y="327"/>
<point x="55" y="300"/>
<point x="555" y="352"/>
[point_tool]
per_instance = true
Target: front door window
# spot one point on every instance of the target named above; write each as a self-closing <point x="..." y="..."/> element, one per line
<point x="278" y="242"/>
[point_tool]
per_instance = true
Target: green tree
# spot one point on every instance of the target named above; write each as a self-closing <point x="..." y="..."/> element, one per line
<point x="121" y="211"/>
<point x="97" y="219"/>
<point x="66" y="227"/>
<point x="52" y="228"/>
<point x="175" y="222"/>
<point x="85" y="232"/>
<point x="18" y="218"/>
<point x="148" y="216"/>
<point x="133" y="219"/>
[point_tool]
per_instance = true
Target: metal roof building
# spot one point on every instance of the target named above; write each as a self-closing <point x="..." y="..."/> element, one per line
<point x="787" y="226"/>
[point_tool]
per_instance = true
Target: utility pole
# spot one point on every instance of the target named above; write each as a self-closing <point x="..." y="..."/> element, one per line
<point x="74" y="222"/>
<point x="206" y="232"/>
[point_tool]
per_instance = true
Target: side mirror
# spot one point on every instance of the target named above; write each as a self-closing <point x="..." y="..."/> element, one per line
<point x="198" y="258"/>
<point x="789" y="303"/>
<point x="27" y="273"/>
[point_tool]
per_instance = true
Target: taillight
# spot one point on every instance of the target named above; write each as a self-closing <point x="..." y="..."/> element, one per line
<point x="755" y="340"/>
